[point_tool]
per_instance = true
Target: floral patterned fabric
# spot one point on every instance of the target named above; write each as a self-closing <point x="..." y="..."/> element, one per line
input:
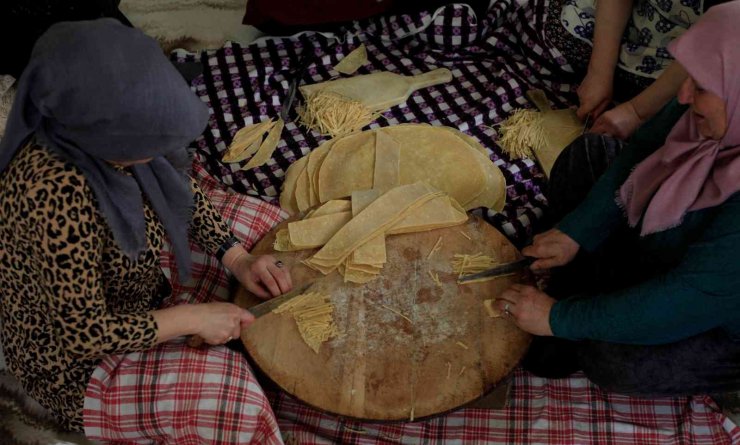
<point x="653" y="24"/>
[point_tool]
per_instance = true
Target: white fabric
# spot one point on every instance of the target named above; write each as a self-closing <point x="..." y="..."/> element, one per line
<point x="191" y="24"/>
<point x="652" y="25"/>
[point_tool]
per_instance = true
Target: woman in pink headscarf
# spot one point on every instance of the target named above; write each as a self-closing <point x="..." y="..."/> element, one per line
<point x="646" y="272"/>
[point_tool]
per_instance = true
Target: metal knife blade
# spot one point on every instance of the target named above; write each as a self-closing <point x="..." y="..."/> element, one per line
<point x="268" y="306"/>
<point x="586" y="124"/>
<point x="502" y="269"/>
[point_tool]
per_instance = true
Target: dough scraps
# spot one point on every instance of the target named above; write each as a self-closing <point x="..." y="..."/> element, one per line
<point x="352" y="61"/>
<point x="246" y="141"/>
<point x="267" y="147"/>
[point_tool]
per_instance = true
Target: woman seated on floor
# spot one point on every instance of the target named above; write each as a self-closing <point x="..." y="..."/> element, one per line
<point x="92" y="180"/>
<point x="647" y="285"/>
<point x="624" y="44"/>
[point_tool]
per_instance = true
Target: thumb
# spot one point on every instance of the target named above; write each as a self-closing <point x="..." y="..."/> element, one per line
<point x="246" y="318"/>
<point x="601" y="126"/>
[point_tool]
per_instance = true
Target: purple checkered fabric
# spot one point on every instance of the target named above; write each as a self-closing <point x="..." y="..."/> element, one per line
<point x="494" y="60"/>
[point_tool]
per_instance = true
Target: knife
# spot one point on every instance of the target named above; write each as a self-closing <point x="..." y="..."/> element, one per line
<point x="501" y="269"/>
<point x="271" y="304"/>
<point x="304" y="62"/>
<point x="259" y="310"/>
<point x="585" y="124"/>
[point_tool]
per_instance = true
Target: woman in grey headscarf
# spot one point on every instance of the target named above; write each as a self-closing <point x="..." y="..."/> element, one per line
<point x="92" y="180"/>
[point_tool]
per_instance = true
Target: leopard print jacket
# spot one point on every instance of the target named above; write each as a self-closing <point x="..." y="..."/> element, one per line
<point x="68" y="294"/>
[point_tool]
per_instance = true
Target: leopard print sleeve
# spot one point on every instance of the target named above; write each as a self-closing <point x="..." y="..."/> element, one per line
<point x="207" y="227"/>
<point x="68" y="237"/>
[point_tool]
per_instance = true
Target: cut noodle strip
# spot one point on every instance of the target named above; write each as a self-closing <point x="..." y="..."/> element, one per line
<point x="313" y="315"/>
<point x="334" y="115"/>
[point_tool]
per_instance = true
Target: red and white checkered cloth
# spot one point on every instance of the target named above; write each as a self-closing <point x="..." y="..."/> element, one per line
<point x="174" y="394"/>
<point x="541" y="411"/>
<point x="249" y="218"/>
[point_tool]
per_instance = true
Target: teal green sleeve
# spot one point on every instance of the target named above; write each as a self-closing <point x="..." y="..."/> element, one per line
<point x="591" y="223"/>
<point x="702" y="292"/>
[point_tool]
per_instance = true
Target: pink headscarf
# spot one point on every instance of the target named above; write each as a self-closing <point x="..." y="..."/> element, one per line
<point x="691" y="172"/>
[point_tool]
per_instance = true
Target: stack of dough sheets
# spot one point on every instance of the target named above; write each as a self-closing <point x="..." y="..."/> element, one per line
<point x="353" y="232"/>
<point x="384" y="158"/>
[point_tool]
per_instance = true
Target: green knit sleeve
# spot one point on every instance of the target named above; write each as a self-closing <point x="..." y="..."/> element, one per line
<point x="591" y="223"/>
<point x="702" y="292"/>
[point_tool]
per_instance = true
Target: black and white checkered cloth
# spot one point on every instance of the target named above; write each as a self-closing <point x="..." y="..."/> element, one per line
<point x="494" y="61"/>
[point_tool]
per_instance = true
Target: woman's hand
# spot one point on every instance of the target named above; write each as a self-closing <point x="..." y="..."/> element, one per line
<point x="263" y="275"/>
<point x="619" y="122"/>
<point x="594" y="94"/>
<point x="218" y="323"/>
<point x="552" y="249"/>
<point x="528" y="307"/>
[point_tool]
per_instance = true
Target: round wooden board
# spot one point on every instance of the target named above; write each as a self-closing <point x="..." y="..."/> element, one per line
<point x="383" y="367"/>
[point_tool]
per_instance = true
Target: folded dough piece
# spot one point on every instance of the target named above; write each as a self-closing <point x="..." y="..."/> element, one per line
<point x="312" y="232"/>
<point x="353" y="275"/>
<point x="381" y="214"/>
<point x="333" y="206"/>
<point x="246" y="141"/>
<point x="352" y="61"/>
<point x="267" y="146"/>
<point x="442" y="211"/>
<point x="367" y="260"/>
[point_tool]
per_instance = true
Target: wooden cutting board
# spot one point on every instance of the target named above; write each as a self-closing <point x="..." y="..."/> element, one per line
<point x="380" y="91"/>
<point x="384" y="367"/>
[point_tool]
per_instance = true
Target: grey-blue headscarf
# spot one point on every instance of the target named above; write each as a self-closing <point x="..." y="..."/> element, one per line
<point x="99" y="91"/>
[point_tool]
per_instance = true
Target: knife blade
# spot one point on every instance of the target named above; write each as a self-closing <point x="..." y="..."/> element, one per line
<point x="299" y="73"/>
<point x="259" y="310"/>
<point x="268" y="306"/>
<point x="586" y="124"/>
<point x="501" y="269"/>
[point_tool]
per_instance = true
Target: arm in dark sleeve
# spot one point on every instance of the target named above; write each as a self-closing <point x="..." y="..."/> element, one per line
<point x="591" y="223"/>
<point x="702" y="292"/>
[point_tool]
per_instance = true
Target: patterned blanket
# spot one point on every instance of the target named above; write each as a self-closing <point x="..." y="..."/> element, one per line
<point x="540" y="411"/>
<point x="494" y="60"/>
